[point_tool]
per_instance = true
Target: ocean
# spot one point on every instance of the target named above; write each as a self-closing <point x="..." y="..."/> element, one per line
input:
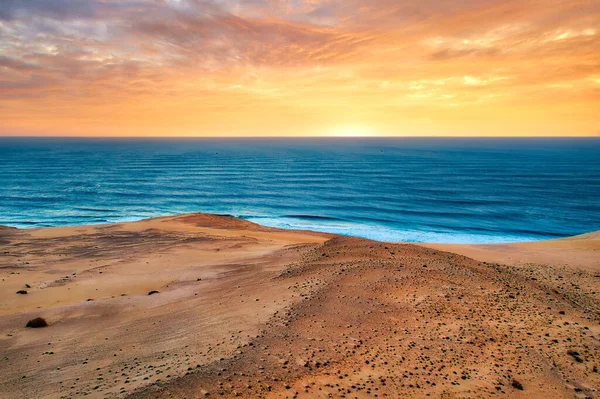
<point x="455" y="190"/>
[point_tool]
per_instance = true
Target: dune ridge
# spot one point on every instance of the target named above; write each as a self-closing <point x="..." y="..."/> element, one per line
<point x="250" y="311"/>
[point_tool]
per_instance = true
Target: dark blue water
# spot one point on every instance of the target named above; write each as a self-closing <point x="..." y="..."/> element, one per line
<point x="404" y="189"/>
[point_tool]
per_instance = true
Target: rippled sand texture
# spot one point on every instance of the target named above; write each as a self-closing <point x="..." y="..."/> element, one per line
<point x="248" y="311"/>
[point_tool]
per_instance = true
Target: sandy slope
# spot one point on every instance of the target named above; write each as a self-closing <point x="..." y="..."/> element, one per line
<point x="581" y="252"/>
<point x="257" y="312"/>
<point x="106" y="333"/>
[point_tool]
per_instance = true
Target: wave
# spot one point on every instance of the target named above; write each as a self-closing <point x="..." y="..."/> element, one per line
<point x="91" y="209"/>
<point x="382" y="233"/>
<point x="312" y="217"/>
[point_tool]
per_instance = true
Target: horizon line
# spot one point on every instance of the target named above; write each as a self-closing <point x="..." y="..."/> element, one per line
<point x="300" y="137"/>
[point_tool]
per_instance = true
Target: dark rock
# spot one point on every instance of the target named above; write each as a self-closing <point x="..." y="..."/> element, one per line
<point x="517" y="385"/>
<point x="575" y="355"/>
<point x="38" y="322"/>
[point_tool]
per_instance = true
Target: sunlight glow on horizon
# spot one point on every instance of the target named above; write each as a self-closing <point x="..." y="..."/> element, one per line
<point x="351" y="131"/>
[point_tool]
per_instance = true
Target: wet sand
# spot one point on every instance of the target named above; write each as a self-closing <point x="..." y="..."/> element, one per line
<point x="249" y="311"/>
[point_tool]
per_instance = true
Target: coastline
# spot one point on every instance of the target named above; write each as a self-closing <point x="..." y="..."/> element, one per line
<point x="340" y="227"/>
<point x="229" y="288"/>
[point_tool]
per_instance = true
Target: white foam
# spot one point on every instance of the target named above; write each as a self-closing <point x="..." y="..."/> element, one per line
<point x="382" y="233"/>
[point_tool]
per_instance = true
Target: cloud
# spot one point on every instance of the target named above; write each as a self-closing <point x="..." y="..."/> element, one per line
<point x="16" y="64"/>
<point x="380" y="54"/>
<point x="448" y="53"/>
<point x="59" y="9"/>
<point x="210" y="34"/>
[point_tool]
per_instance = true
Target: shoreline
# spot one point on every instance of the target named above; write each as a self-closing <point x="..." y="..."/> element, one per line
<point x="253" y="219"/>
<point x="286" y="312"/>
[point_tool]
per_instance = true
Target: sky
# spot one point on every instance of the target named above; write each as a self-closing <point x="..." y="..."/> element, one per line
<point x="300" y="67"/>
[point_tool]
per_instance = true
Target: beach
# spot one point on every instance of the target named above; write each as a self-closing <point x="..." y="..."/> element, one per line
<point x="211" y="306"/>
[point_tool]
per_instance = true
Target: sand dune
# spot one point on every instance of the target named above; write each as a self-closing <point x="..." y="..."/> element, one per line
<point x="579" y="252"/>
<point x="249" y="311"/>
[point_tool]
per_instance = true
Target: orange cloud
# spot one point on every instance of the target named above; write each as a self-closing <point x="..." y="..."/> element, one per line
<point x="312" y="67"/>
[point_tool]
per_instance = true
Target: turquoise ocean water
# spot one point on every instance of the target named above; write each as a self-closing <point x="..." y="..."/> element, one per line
<point x="402" y="189"/>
